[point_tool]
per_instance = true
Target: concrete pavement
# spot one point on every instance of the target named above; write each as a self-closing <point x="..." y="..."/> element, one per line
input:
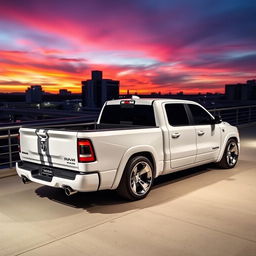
<point x="203" y="211"/>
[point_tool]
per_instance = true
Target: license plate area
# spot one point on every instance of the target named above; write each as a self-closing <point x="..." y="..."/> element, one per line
<point x="46" y="171"/>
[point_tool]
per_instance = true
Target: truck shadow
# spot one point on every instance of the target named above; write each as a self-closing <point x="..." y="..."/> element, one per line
<point x="166" y="188"/>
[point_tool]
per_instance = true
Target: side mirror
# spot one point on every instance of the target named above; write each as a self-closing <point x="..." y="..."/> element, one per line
<point x="217" y="120"/>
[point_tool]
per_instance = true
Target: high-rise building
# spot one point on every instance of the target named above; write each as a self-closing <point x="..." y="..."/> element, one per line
<point x="34" y="94"/>
<point x="64" y="92"/>
<point x="98" y="90"/>
<point x="240" y="91"/>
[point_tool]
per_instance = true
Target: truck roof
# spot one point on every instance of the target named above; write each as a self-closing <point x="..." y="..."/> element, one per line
<point x="147" y="101"/>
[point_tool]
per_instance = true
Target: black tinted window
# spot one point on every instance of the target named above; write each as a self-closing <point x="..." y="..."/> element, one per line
<point x="200" y="115"/>
<point x="128" y="114"/>
<point x="176" y="114"/>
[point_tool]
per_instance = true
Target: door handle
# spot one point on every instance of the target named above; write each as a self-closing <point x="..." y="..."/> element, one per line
<point x="201" y="133"/>
<point x="175" y="135"/>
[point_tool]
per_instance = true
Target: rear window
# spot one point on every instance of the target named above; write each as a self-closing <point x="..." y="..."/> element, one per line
<point x="128" y="114"/>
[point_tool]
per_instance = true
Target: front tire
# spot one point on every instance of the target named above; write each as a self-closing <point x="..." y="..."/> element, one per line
<point x="137" y="179"/>
<point x="230" y="156"/>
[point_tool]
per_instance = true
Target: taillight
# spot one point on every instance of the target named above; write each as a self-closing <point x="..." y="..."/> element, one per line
<point x="85" y="151"/>
<point x="18" y="142"/>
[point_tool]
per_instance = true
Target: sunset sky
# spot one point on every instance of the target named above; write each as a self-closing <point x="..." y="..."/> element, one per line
<point x="149" y="45"/>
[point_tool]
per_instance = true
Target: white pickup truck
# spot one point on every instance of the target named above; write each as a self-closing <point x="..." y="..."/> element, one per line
<point x="133" y="142"/>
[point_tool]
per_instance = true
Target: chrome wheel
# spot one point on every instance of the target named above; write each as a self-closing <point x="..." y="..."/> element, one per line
<point x="137" y="179"/>
<point x="141" y="178"/>
<point x="232" y="153"/>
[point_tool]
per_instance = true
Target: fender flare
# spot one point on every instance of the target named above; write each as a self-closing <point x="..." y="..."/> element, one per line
<point x="129" y="153"/>
<point x="224" y="144"/>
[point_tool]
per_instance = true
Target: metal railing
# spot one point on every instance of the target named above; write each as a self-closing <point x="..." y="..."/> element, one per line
<point x="237" y="115"/>
<point x="9" y="152"/>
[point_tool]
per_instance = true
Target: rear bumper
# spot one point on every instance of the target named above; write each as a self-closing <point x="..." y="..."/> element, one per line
<point x="77" y="181"/>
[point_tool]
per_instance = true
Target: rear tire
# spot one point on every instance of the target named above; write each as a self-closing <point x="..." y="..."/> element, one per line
<point x="230" y="156"/>
<point x="137" y="179"/>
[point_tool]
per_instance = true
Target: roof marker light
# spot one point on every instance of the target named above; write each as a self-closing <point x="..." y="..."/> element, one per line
<point x="127" y="102"/>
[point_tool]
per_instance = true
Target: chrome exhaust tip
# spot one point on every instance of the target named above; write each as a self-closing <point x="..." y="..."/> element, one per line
<point x="69" y="191"/>
<point x="25" y="180"/>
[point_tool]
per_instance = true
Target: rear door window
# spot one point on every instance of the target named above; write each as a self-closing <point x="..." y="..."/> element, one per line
<point x="176" y="114"/>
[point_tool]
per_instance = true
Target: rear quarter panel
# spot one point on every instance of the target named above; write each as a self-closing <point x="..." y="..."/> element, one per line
<point x="114" y="148"/>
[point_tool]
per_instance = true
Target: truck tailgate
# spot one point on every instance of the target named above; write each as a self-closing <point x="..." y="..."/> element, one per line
<point x="49" y="147"/>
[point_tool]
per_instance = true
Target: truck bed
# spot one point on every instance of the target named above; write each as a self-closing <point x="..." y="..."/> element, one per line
<point x="90" y="127"/>
<point x="55" y="145"/>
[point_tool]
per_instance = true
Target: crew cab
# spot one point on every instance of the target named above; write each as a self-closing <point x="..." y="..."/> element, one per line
<point x="133" y="142"/>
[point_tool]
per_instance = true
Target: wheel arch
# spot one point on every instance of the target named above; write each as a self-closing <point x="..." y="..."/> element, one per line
<point x="231" y="136"/>
<point x="149" y="156"/>
<point x="235" y="138"/>
<point x="148" y="152"/>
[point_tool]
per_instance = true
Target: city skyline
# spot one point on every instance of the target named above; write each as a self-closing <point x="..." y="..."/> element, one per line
<point x="150" y="46"/>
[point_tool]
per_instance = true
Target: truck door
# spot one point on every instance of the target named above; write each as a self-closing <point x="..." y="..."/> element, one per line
<point x="207" y="134"/>
<point x="182" y="135"/>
